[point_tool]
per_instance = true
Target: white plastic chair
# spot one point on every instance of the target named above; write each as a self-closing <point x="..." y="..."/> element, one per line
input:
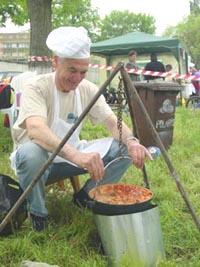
<point x="17" y="84"/>
<point x="10" y="112"/>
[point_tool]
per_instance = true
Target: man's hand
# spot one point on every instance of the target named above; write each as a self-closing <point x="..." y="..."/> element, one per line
<point x="138" y="153"/>
<point x="92" y="162"/>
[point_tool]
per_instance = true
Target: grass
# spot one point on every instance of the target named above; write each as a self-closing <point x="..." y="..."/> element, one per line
<point x="72" y="239"/>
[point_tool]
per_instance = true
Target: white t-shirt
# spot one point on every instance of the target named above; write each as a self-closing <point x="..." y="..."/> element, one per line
<point x="38" y="100"/>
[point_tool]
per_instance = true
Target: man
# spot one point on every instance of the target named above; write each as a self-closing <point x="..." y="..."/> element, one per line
<point x="50" y="104"/>
<point x="154" y="65"/>
<point x="168" y="69"/>
<point x="132" y="55"/>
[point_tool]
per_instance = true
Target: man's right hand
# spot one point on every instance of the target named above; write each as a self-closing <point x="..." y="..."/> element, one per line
<point x="92" y="162"/>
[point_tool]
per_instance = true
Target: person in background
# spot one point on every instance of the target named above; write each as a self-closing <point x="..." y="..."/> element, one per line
<point x="196" y="83"/>
<point x="154" y="65"/>
<point x="132" y="55"/>
<point x="168" y="69"/>
<point x="50" y="106"/>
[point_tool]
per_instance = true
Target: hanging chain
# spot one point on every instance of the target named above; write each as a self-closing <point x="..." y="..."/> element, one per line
<point x="119" y="113"/>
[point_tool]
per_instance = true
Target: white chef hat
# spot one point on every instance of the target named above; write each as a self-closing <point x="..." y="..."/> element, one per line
<point x="69" y="42"/>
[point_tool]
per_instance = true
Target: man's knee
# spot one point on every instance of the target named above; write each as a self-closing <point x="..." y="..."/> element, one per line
<point x="31" y="154"/>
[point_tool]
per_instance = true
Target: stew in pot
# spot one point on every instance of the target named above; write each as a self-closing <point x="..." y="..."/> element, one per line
<point x="120" y="194"/>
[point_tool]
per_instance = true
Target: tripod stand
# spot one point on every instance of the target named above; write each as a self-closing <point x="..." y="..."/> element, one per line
<point x="133" y="97"/>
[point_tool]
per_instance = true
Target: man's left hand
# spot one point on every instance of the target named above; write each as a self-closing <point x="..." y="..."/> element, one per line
<point x="138" y="153"/>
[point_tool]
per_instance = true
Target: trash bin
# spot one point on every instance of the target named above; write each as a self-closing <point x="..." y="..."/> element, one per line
<point x="159" y="100"/>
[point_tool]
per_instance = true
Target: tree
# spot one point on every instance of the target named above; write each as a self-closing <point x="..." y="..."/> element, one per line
<point x="188" y="33"/>
<point x="38" y="12"/>
<point x="122" y="22"/>
<point x="45" y="15"/>
<point x="195" y="7"/>
<point x="76" y="13"/>
<point x="14" y="10"/>
<point x="40" y="25"/>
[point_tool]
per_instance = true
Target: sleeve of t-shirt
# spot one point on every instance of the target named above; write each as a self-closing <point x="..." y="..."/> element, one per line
<point x="33" y="103"/>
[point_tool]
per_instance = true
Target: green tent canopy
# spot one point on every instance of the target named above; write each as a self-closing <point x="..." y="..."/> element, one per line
<point x="143" y="43"/>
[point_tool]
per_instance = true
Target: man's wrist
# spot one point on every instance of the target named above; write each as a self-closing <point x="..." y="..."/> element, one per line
<point x="132" y="138"/>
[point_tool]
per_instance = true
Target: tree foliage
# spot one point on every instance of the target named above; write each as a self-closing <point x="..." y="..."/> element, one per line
<point x="122" y="22"/>
<point x="195" y="7"/>
<point x="64" y="13"/>
<point x="76" y="13"/>
<point x="44" y="15"/>
<point x="14" y="10"/>
<point x="189" y="34"/>
<point x="187" y="31"/>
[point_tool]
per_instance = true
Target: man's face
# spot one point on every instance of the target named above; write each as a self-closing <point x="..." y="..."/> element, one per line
<point x="133" y="57"/>
<point x="69" y="73"/>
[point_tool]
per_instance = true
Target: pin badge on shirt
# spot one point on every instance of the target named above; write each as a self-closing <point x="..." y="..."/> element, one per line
<point x="71" y="118"/>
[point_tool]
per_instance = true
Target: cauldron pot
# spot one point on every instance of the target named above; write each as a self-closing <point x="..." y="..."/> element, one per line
<point x="113" y="209"/>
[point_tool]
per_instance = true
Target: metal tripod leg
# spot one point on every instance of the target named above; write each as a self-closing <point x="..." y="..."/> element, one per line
<point x="134" y="95"/>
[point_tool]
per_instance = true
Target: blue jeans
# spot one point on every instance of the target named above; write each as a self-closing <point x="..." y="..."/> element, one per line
<point x="30" y="158"/>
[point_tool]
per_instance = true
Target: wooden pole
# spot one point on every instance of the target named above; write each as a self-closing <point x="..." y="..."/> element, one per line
<point x="132" y="93"/>
<point x="57" y="150"/>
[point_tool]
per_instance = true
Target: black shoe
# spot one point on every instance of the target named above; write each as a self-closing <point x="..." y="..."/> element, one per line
<point x="39" y="223"/>
<point x="82" y="200"/>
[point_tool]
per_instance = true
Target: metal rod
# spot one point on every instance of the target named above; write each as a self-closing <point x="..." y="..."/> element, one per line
<point x="135" y="128"/>
<point x="145" y="177"/>
<point x="134" y="95"/>
<point x="57" y="150"/>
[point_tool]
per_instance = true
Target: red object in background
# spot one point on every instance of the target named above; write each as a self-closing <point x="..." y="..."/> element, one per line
<point x="6" y="122"/>
<point x="196" y="83"/>
<point x="7" y="80"/>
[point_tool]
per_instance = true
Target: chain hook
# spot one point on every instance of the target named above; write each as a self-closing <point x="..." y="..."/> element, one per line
<point x="119" y="113"/>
